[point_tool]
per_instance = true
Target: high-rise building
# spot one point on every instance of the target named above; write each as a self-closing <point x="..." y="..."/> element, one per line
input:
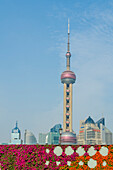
<point x="106" y="135"/>
<point x="16" y="135"/>
<point x="51" y="137"/>
<point x="91" y="133"/>
<point x="29" y="138"/>
<point x="68" y="79"/>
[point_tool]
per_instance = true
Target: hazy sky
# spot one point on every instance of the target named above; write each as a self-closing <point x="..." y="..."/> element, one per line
<point x="33" y="44"/>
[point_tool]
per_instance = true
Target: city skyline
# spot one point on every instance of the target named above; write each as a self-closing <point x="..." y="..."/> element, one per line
<point x="32" y="56"/>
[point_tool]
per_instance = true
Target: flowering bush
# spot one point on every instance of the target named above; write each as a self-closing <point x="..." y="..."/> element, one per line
<point x="102" y="159"/>
<point x="33" y="157"/>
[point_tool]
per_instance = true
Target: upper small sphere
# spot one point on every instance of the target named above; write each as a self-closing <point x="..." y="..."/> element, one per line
<point x="68" y="54"/>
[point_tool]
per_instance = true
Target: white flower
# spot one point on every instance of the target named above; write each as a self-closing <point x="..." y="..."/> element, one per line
<point x="104" y="151"/>
<point x="81" y="163"/>
<point x="80" y="151"/>
<point x="58" y="150"/>
<point x="57" y="162"/>
<point x="104" y="163"/>
<point x="47" y="163"/>
<point x="92" y="163"/>
<point x="69" y="150"/>
<point x="47" y="150"/>
<point x="91" y="151"/>
<point x="68" y="163"/>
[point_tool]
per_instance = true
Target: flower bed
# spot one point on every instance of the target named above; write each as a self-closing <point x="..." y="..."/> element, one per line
<point x="33" y="157"/>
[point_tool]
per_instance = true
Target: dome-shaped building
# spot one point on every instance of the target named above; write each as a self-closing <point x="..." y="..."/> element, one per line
<point x="16" y="129"/>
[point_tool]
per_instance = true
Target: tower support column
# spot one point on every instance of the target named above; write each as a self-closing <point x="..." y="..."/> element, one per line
<point x="70" y="107"/>
<point x="64" y="114"/>
<point x="68" y="63"/>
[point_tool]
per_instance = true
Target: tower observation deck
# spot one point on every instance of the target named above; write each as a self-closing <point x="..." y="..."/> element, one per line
<point x="68" y="78"/>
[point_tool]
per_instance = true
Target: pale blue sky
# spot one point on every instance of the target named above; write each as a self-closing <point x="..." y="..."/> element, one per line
<point x="33" y="42"/>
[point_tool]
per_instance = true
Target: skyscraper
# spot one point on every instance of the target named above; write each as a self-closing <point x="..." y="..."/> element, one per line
<point x="68" y="78"/>
<point x="89" y="133"/>
<point x="92" y="133"/>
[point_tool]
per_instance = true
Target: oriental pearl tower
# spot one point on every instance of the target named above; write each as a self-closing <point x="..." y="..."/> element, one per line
<point x="68" y="79"/>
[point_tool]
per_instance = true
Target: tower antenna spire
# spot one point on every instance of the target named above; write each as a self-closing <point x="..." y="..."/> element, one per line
<point x="68" y="35"/>
<point x="68" y="54"/>
<point x="16" y="123"/>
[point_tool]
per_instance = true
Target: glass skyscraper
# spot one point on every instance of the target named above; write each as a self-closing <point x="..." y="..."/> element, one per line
<point x="56" y="128"/>
<point x="51" y="137"/>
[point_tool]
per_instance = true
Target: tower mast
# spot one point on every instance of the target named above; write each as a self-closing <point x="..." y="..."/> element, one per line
<point x="68" y="54"/>
<point x="68" y="35"/>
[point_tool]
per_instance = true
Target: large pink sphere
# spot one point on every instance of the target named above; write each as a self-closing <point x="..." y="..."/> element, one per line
<point x="68" y="77"/>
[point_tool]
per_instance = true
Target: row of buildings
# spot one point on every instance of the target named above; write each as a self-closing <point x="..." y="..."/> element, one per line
<point x="90" y="133"/>
<point x="29" y="137"/>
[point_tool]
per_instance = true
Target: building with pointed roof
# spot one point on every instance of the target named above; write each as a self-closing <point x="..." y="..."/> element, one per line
<point x="92" y="133"/>
<point x="16" y="135"/>
<point x="89" y="120"/>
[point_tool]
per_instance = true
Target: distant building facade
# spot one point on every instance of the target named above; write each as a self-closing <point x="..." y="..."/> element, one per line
<point x="16" y="136"/>
<point x="29" y="138"/>
<point x="106" y="134"/>
<point x="42" y="138"/>
<point x="94" y="133"/>
<point x="51" y="137"/>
